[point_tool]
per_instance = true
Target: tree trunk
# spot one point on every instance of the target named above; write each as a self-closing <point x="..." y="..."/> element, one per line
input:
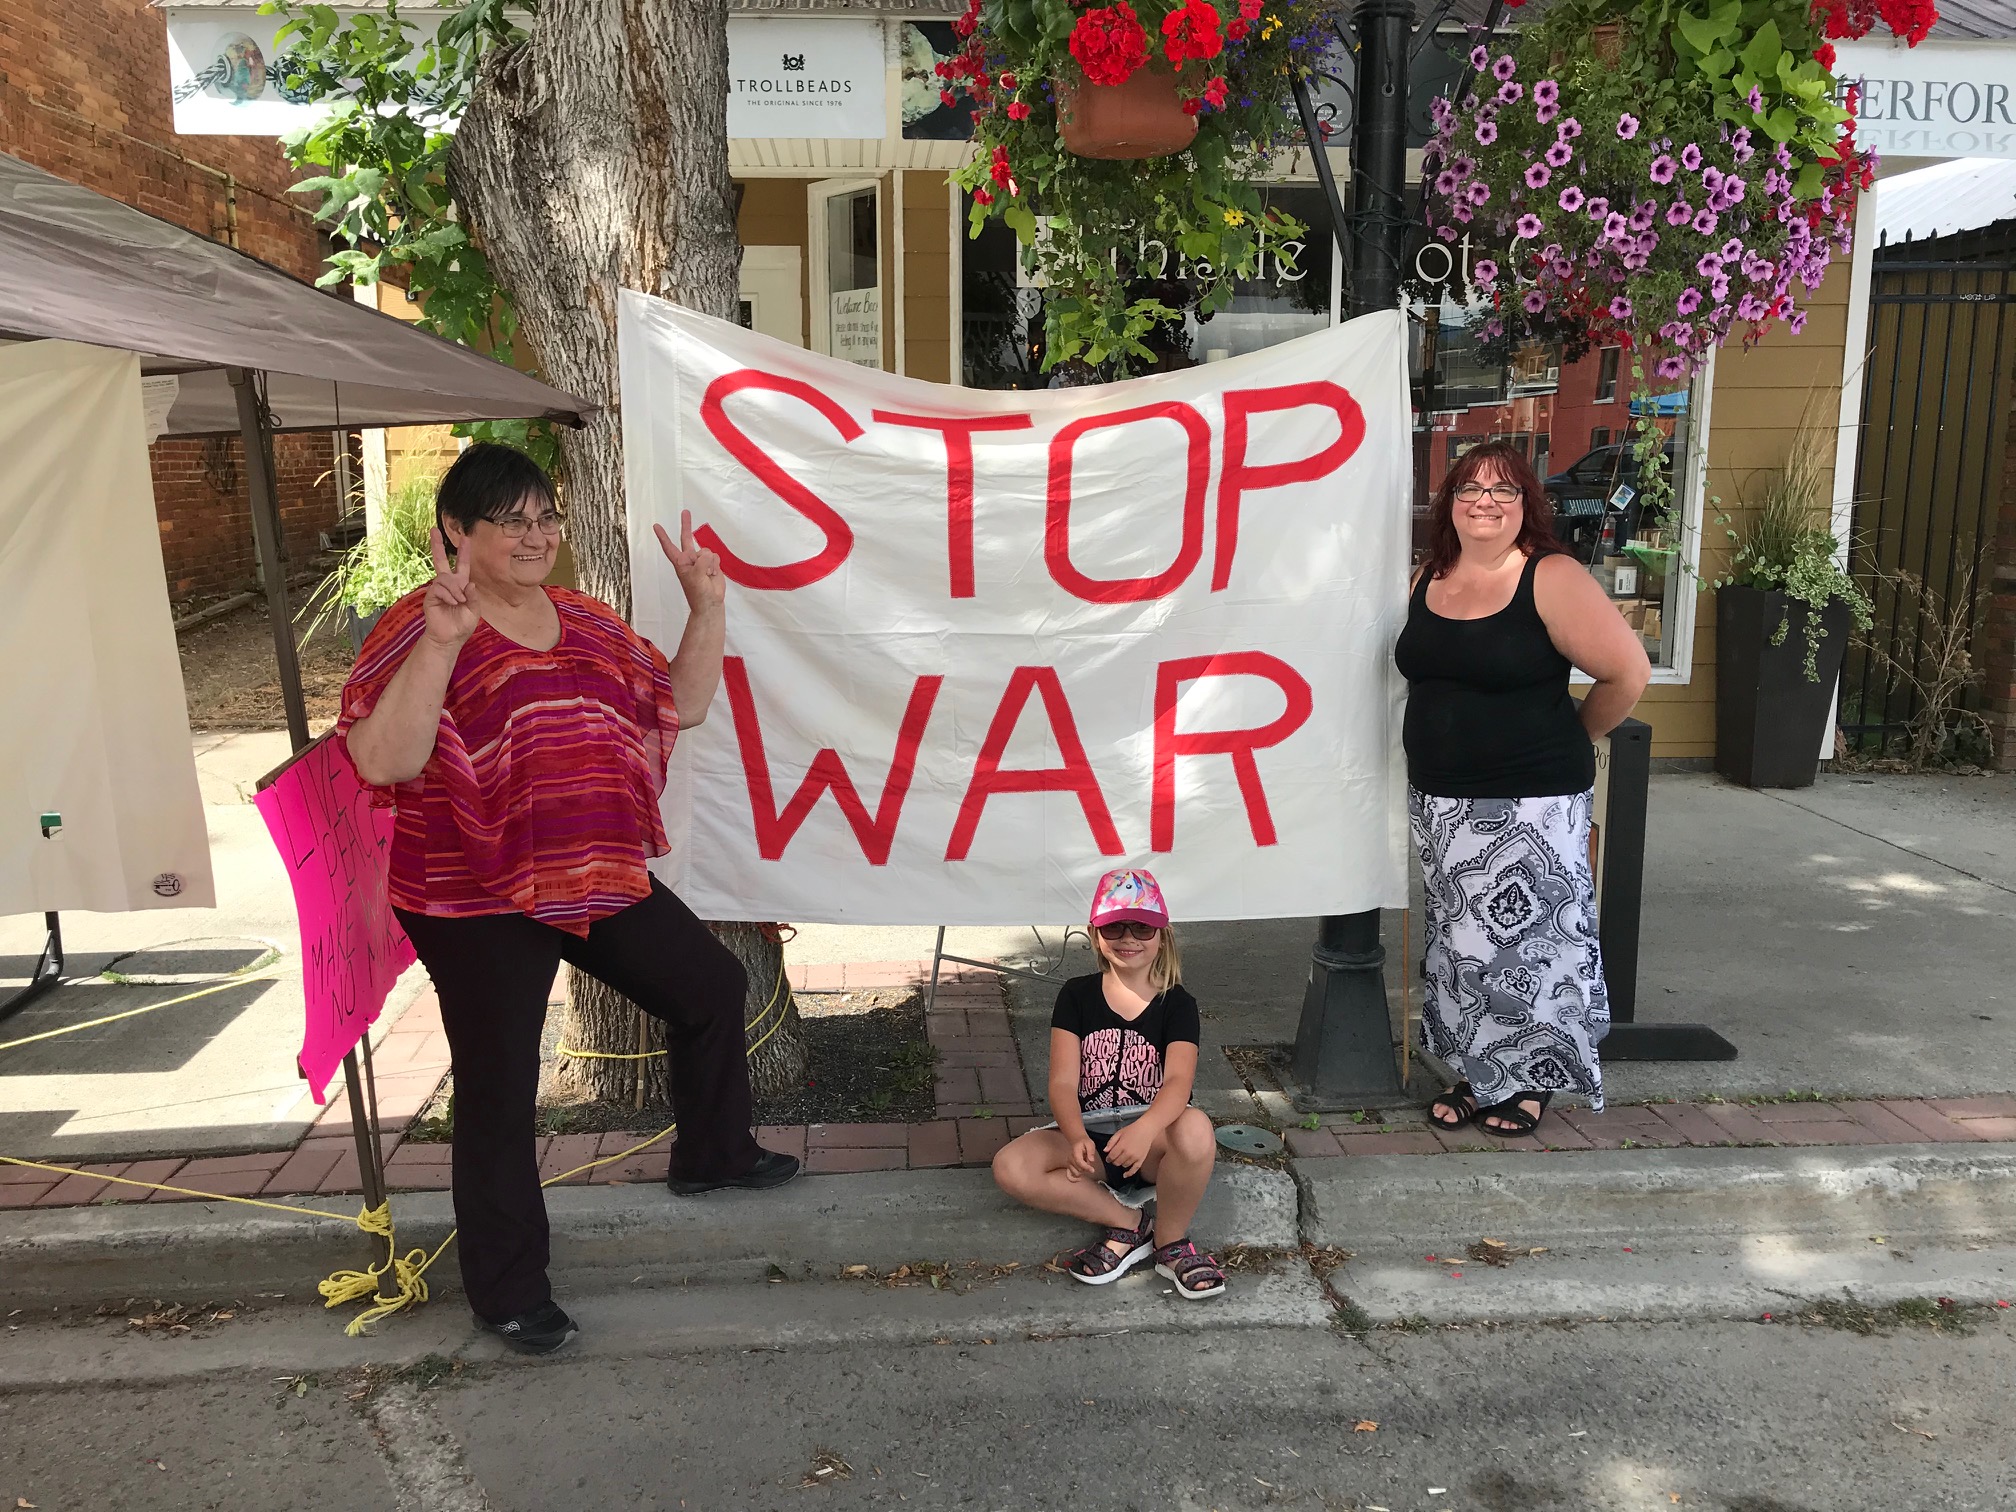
<point x="593" y="157"/>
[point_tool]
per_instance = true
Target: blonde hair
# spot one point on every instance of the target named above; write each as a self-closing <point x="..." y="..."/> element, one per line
<point x="1167" y="971"/>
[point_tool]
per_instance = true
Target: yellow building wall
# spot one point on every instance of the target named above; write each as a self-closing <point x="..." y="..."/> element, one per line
<point x="775" y="213"/>
<point x="1757" y="400"/>
<point x="928" y="270"/>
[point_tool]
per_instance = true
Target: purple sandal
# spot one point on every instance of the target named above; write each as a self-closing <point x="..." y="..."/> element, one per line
<point x="1195" y="1273"/>
<point x="1099" y="1263"/>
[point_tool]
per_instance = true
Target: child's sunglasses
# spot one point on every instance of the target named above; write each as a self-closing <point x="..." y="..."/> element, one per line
<point x="1128" y="930"/>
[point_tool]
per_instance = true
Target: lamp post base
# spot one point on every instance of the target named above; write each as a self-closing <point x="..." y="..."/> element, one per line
<point x="1344" y="1043"/>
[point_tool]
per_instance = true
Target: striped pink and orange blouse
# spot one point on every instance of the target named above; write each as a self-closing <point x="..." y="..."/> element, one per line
<point x="541" y="796"/>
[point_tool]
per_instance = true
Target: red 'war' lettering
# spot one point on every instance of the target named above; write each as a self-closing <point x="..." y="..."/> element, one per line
<point x="839" y="535"/>
<point x="1238" y="744"/>
<point x="1075" y="776"/>
<point x="958" y="431"/>
<point x="1057" y="516"/>
<point x="774" y="830"/>
<point x="1241" y="477"/>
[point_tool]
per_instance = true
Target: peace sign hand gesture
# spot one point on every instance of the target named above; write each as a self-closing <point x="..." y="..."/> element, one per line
<point x="699" y="569"/>
<point x="451" y="617"/>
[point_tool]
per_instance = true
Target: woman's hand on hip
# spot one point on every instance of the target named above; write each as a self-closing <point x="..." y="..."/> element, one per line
<point x="451" y="617"/>
<point x="699" y="569"/>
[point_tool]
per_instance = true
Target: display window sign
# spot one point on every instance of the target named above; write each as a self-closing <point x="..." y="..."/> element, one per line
<point x="1936" y="100"/>
<point x="227" y="72"/>
<point x="799" y="78"/>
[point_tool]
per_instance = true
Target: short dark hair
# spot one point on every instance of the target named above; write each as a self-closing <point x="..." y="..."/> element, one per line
<point x="1536" y="529"/>
<point x="487" y="482"/>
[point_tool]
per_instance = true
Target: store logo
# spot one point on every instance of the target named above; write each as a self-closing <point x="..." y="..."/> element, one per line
<point x="168" y="885"/>
<point x="794" y="62"/>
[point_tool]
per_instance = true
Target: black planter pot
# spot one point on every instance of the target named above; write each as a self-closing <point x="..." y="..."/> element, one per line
<point x="1770" y="718"/>
<point x="360" y="626"/>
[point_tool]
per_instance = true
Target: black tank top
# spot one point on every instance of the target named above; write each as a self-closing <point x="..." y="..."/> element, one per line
<point x="1488" y="710"/>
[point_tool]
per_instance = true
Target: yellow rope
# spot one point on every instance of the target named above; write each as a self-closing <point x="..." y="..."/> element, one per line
<point x="113" y="1018"/>
<point x="408" y="1272"/>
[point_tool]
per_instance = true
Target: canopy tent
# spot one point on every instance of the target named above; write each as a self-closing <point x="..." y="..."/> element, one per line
<point x="253" y="351"/>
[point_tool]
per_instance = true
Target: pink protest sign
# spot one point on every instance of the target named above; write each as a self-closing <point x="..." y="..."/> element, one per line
<point x="336" y="848"/>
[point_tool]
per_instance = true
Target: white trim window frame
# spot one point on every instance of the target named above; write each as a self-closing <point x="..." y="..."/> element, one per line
<point x="819" y="194"/>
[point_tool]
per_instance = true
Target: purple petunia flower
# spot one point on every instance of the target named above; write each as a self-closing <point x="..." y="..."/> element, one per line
<point x="1614" y="227"/>
<point x="1796" y="321"/>
<point x="1461" y="213"/>
<point x="1643" y="214"/>
<point x="1670" y="367"/>
<point x="1545" y="113"/>
<point x="1537" y="175"/>
<point x="1487" y="133"/>
<point x="1711" y="178"/>
<point x="1569" y="129"/>
<point x="1755" y="99"/>
<point x="1704" y="222"/>
<point x="1445" y="183"/>
<point x="1739" y="146"/>
<point x="1484" y="272"/>
<point x="1534" y="301"/>
<point x="1750" y="307"/>
<point x="1709" y="265"/>
<point x="1597" y="208"/>
<point x="1627" y="127"/>
<point x="1546" y="92"/>
<point x="1571" y="199"/>
<point x="1679" y="213"/>
<point x="1510" y="91"/>
<point x="1447" y="233"/>
<point x="1732" y="249"/>
<point x="1478" y="192"/>
<point x="1718" y="288"/>
<point x="1734" y="188"/>
<point x="1559" y="155"/>
<point x="1504" y="68"/>
<point x="1440" y="111"/>
<point x="1782" y="156"/>
<point x="1690" y="157"/>
<point x="1480" y="56"/>
<point x="1529" y="227"/>
<point x="1663" y="169"/>
<point x="1620" y="308"/>
<point x="1689" y="300"/>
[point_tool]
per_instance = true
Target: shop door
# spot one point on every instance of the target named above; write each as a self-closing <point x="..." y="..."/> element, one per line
<point x="773" y="301"/>
<point x="846" y="282"/>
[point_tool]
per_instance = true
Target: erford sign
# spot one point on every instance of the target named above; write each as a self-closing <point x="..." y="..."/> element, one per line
<point x="1937" y="100"/>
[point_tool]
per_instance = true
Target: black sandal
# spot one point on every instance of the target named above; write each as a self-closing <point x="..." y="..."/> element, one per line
<point x="1450" y="1101"/>
<point x="1098" y="1263"/>
<point x="1521" y="1122"/>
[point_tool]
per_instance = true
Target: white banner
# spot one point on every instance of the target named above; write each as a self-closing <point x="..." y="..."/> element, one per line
<point x="95" y="730"/>
<point x="983" y="646"/>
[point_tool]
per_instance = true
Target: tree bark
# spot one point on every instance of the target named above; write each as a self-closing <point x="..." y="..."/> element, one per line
<point x="594" y="157"/>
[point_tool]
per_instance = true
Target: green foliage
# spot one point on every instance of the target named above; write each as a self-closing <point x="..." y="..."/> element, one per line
<point x="386" y="565"/>
<point x="382" y="151"/>
<point x="1111" y="239"/>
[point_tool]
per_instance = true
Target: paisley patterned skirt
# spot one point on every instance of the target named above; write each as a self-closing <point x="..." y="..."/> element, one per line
<point x="1515" y="996"/>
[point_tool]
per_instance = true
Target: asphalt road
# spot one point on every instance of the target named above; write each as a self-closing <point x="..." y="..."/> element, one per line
<point x="1724" y="1415"/>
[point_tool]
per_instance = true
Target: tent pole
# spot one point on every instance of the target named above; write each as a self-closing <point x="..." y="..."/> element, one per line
<point x="266" y="533"/>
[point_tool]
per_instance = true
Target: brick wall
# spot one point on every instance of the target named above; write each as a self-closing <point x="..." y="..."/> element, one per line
<point x="84" y="94"/>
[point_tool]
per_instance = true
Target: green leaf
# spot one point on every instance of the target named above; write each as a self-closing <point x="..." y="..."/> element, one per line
<point x="1717" y="64"/>
<point x="1809" y="182"/>
<point x="1765" y="49"/>
<point x="1781" y="124"/>
<point x="1022" y="221"/>
<point x="1704" y="33"/>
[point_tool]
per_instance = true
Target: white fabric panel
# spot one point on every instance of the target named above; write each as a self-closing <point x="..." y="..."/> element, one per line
<point x="93" y="725"/>
<point x="829" y="664"/>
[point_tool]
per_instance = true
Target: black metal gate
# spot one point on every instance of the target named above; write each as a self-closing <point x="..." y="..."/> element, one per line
<point x="1929" y="474"/>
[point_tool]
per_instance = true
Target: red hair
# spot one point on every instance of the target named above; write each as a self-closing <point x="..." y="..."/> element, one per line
<point x="1536" y="528"/>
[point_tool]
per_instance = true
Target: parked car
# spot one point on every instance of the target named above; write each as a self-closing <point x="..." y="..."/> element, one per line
<point x="1582" y="492"/>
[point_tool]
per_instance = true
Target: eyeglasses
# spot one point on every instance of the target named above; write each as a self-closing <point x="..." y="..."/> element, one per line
<point x="1501" y="493"/>
<point x="1128" y="931"/>
<point x="518" y="526"/>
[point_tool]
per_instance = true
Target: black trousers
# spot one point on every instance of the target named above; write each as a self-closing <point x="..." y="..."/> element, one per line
<point x="493" y="976"/>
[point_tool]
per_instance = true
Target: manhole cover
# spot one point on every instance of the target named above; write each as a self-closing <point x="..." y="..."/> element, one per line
<point x="1248" y="1140"/>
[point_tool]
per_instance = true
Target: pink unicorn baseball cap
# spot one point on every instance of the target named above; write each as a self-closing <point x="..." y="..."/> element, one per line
<point x="1129" y="896"/>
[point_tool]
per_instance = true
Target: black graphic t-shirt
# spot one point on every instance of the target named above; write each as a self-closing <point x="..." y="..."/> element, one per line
<point x="1120" y="1060"/>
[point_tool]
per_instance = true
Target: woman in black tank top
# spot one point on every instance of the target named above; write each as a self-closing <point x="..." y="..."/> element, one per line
<point x="1500" y="768"/>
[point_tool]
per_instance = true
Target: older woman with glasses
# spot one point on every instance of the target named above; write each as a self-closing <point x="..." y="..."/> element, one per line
<point x="522" y="733"/>
<point x="1501" y="770"/>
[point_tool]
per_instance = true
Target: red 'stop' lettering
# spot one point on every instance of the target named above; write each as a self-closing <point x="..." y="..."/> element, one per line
<point x="839" y="535"/>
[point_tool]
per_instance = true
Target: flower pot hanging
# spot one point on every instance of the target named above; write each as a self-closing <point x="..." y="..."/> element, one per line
<point x="1139" y="118"/>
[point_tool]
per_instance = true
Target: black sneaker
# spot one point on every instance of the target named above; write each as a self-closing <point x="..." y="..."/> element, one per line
<point x="771" y="1170"/>
<point x="538" y="1331"/>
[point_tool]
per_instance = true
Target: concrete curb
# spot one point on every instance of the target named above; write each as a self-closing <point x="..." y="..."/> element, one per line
<point x="1603" y="1199"/>
<point x="816" y="1225"/>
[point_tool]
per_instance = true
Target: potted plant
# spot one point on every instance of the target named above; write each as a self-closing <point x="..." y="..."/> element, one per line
<point x="1782" y="619"/>
<point x="1120" y="143"/>
<point x="381" y="569"/>
<point x="1662" y="174"/>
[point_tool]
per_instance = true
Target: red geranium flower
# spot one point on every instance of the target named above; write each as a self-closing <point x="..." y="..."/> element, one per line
<point x="999" y="170"/>
<point x="945" y="97"/>
<point x="1109" y="43"/>
<point x="1192" y="32"/>
<point x="1017" y="111"/>
<point x="1236" y="29"/>
<point x="1824" y="56"/>
<point x="982" y="197"/>
<point x="1249" y="10"/>
<point x="1214" y="93"/>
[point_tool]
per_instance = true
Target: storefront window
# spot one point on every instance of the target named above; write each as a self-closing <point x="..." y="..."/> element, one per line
<point x="1577" y="423"/>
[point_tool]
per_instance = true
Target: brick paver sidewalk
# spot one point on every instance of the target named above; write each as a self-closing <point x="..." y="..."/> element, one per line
<point x="982" y="1102"/>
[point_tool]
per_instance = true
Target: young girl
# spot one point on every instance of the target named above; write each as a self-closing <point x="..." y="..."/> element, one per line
<point x="1123" y="1057"/>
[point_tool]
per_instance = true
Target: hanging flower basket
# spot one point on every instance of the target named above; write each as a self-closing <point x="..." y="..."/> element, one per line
<point x="1136" y="129"/>
<point x="1141" y="117"/>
